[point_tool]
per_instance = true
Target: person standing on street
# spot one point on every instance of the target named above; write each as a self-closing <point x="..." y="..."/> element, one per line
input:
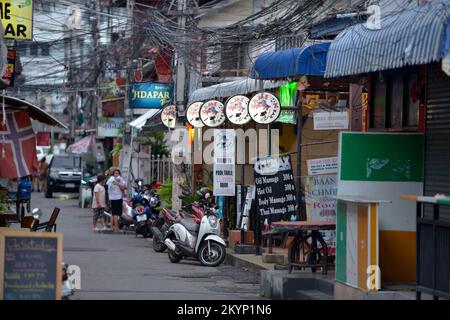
<point x="116" y="188"/>
<point x="99" y="203"/>
<point x="43" y="166"/>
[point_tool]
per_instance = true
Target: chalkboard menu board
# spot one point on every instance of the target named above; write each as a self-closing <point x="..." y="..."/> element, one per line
<point x="30" y="265"/>
<point x="275" y="189"/>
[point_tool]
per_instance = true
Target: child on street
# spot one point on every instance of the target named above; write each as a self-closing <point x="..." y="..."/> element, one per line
<point x="99" y="203"/>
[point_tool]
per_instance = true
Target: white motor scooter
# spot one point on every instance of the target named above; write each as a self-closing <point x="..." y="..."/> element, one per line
<point x="187" y="238"/>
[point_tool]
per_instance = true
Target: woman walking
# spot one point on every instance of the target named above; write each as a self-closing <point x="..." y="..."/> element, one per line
<point x="116" y="187"/>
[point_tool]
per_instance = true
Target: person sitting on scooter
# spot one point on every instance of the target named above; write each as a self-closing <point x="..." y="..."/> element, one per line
<point x="116" y="187"/>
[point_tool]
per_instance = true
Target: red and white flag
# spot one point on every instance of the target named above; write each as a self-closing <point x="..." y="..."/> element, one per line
<point x="17" y="146"/>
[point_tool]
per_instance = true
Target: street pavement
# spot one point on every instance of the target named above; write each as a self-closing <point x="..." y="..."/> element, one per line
<point x="121" y="266"/>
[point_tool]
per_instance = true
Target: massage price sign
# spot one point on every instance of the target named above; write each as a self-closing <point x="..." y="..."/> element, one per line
<point x="30" y="265"/>
<point x="17" y="19"/>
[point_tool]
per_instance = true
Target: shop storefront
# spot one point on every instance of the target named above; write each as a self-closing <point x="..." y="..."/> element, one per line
<point x="407" y="99"/>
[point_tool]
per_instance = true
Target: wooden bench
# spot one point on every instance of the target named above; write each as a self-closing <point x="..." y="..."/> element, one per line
<point x="50" y="225"/>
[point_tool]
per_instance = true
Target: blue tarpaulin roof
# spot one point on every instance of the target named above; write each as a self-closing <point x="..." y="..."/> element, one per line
<point x="410" y="37"/>
<point x="309" y="61"/>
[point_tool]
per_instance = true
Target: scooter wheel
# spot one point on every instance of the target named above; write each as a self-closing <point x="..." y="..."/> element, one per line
<point x="173" y="257"/>
<point x="214" y="257"/>
<point x="158" y="246"/>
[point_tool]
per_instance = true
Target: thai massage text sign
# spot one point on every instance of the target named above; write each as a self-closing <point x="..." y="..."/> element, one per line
<point x="322" y="166"/>
<point x="30" y="265"/>
<point x="275" y="189"/>
<point x="150" y="95"/>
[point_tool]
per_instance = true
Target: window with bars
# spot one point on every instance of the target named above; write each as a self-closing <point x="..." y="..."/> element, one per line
<point x="289" y="42"/>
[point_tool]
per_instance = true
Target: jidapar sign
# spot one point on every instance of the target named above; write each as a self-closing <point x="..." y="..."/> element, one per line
<point x="17" y="18"/>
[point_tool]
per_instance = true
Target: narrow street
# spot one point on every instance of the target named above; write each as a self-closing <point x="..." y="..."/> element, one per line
<point x="119" y="266"/>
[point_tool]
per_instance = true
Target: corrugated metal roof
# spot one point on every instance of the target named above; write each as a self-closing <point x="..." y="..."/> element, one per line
<point x="411" y="37"/>
<point x="229" y="89"/>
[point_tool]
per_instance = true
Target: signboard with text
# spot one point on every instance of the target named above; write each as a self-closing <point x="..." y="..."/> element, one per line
<point x="110" y="127"/>
<point x="322" y="166"/>
<point x="275" y="188"/>
<point x="224" y="162"/>
<point x="330" y="120"/>
<point x="30" y="265"/>
<point x="320" y="191"/>
<point x="17" y="19"/>
<point x="148" y="95"/>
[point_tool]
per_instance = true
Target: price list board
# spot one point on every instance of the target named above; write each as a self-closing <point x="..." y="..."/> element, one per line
<point x="30" y="265"/>
<point x="276" y="198"/>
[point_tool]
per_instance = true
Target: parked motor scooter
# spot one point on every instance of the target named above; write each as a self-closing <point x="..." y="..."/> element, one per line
<point x="168" y="217"/>
<point x="187" y="238"/>
<point x="145" y="211"/>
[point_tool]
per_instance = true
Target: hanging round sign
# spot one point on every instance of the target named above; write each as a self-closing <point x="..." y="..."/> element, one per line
<point x="212" y="113"/>
<point x="193" y="115"/>
<point x="236" y="110"/>
<point x="169" y="116"/>
<point x="264" y="108"/>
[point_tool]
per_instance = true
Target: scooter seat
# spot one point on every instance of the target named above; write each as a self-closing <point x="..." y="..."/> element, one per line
<point x="190" y="225"/>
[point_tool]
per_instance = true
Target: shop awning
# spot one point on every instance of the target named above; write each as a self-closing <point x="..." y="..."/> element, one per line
<point x="229" y="89"/>
<point x="34" y="111"/>
<point x="139" y="122"/>
<point x="85" y="145"/>
<point x="310" y="60"/>
<point x="410" y="37"/>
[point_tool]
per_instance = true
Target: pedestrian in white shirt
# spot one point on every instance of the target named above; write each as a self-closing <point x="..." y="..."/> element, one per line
<point x="99" y="203"/>
<point x="116" y="187"/>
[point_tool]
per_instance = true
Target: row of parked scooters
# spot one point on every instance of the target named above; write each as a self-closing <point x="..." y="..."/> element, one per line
<point x="186" y="233"/>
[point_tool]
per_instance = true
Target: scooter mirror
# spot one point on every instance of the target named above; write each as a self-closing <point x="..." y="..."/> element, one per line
<point x="36" y="213"/>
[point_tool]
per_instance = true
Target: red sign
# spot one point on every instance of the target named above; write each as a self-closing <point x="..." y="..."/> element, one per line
<point x="43" y="139"/>
<point x="8" y="76"/>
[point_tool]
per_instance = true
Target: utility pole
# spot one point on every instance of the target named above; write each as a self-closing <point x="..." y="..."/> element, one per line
<point x="98" y="63"/>
<point x="71" y="95"/>
<point x="180" y="94"/>
<point x="127" y="152"/>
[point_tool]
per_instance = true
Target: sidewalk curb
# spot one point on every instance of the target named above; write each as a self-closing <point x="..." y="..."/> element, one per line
<point x="236" y="261"/>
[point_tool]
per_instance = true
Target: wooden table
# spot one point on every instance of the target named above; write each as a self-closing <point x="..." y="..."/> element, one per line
<point x="301" y="253"/>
